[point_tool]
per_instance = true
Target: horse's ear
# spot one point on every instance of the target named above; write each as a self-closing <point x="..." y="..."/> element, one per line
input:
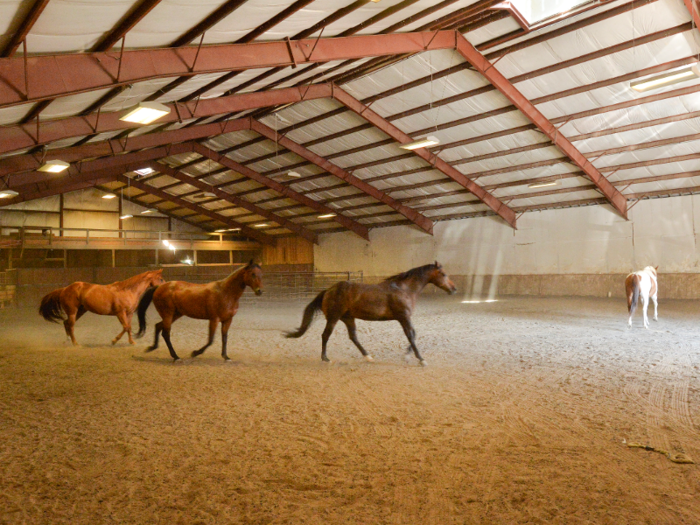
<point x="438" y="265"/>
<point x="656" y="268"/>
<point x="251" y="263"/>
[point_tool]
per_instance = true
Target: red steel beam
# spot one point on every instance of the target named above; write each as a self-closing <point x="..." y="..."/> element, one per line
<point x="125" y="25"/>
<point x="19" y="136"/>
<point x="50" y="188"/>
<point x="483" y="66"/>
<point x="24" y="28"/>
<point x="347" y="222"/>
<point x="375" y="119"/>
<point x="199" y="184"/>
<point x="694" y="10"/>
<point x="416" y="218"/>
<point x="18" y="163"/>
<point x="246" y="230"/>
<point x="54" y="76"/>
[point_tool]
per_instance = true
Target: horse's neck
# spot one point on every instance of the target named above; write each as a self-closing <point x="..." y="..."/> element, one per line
<point x="234" y="284"/>
<point x="415" y="284"/>
<point x="138" y="285"/>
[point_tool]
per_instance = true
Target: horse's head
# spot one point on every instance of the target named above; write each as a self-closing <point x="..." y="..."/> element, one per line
<point x="155" y="278"/>
<point x="439" y="278"/>
<point x="252" y="276"/>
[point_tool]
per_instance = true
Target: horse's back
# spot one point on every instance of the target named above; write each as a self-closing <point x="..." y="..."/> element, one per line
<point x="371" y="302"/>
<point x="194" y="300"/>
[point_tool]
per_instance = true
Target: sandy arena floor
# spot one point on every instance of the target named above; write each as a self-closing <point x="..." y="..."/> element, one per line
<point x="522" y="416"/>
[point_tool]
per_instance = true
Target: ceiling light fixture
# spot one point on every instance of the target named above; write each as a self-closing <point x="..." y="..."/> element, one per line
<point x="421" y="143"/>
<point x="8" y="194"/>
<point x="293" y="174"/>
<point x="543" y="184"/>
<point x="125" y="216"/>
<point x="146" y="112"/>
<point x="674" y="77"/>
<point x="54" y="166"/>
<point x="327" y="216"/>
<point x="144" y="171"/>
<point x="109" y="196"/>
<point x="149" y="210"/>
<point x="260" y="225"/>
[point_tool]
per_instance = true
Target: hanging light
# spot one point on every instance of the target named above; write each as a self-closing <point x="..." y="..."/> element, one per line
<point x="293" y="174"/>
<point x="422" y="143"/>
<point x="144" y="171"/>
<point x="149" y="210"/>
<point x="260" y="225"/>
<point x="326" y="216"/>
<point x="680" y="75"/>
<point x="543" y="184"/>
<point x="146" y="112"/>
<point x="109" y="196"/>
<point x="122" y="217"/>
<point x="8" y="194"/>
<point x="54" y="166"/>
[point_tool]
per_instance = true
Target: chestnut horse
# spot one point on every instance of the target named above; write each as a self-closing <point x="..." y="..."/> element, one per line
<point x="392" y="299"/>
<point x="216" y="301"/>
<point x="118" y="299"/>
<point x="642" y="283"/>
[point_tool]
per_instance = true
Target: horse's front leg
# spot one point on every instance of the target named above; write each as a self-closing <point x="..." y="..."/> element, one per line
<point x="126" y="327"/>
<point x="411" y="335"/>
<point x="225" y="325"/>
<point x="213" y="323"/>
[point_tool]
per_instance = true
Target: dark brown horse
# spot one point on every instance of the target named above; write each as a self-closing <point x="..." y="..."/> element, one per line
<point x="118" y="299"/>
<point x="392" y="299"/>
<point x="216" y="301"/>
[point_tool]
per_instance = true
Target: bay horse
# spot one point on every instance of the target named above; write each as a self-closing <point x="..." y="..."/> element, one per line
<point x="216" y="301"/>
<point x="118" y="299"/>
<point x="642" y="284"/>
<point x="392" y="299"/>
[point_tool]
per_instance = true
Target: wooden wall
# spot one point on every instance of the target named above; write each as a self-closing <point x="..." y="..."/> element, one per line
<point x="289" y="250"/>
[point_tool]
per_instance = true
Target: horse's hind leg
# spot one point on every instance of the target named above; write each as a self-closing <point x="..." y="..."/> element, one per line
<point x="330" y="324"/>
<point x="69" y="324"/>
<point x="159" y="329"/>
<point x="411" y="335"/>
<point x="213" y="323"/>
<point x="645" y="305"/>
<point x="655" y="298"/>
<point x="352" y="333"/>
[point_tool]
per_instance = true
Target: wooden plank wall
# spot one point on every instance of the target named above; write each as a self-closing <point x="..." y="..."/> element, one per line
<point x="289" y="250"/>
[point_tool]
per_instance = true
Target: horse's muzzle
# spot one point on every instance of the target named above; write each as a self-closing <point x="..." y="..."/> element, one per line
<point x="258" y="291"/>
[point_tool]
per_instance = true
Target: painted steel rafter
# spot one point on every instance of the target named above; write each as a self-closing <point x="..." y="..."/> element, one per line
<point x="366" y="113"/>
<point x="241" y="203"/>
<point x="24" y="28"/>
<point x="483" y="66"/>
<point x="81" y="73"/>
<point x="182" y="203"/>
<point x="416" y="218"/>
<point x="25" y="135"/>
<point x="347" y="222"/>
<point x="119" y="32"/>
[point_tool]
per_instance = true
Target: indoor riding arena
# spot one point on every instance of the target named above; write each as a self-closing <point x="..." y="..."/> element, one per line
<point x="350" y="262"/>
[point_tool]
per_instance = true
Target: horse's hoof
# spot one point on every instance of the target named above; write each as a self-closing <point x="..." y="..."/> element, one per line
<point x="177" y="360"/>
<point x="114" y="342"/>
<point x="369" y="359"/>
<point x="423" y="362"/>
<point x="149" y="349"/>
<point x="195" y="353"/>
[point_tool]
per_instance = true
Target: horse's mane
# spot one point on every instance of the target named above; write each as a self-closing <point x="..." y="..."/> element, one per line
<point x="235" y="273"/>
<point x="131" y="281"/>
<point x="413" y="272"/>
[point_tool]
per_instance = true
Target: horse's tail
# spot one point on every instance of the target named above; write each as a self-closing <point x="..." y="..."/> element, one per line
<point x="309" y="314"/>
<point x="633" y="285"/>
<point x="50" y="307"/>
<point x="144" y="303"/>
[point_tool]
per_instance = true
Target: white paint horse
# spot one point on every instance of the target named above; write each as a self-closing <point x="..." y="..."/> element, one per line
<point x="642" y="283"/>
